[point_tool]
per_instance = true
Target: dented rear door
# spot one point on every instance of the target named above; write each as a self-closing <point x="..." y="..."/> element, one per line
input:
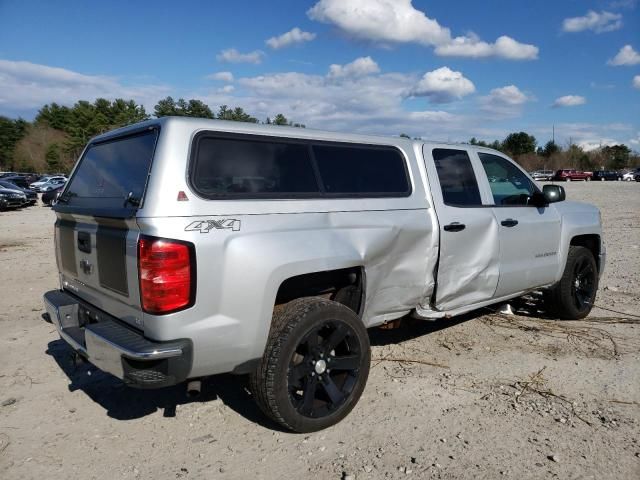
<point x="468" y="265"/>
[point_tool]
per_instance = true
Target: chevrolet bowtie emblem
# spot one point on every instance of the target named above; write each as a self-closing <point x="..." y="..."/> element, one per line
<point x="86" y="267"/>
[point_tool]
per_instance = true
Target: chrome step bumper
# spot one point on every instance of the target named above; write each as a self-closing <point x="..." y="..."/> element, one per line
<point x="116" y="348"/>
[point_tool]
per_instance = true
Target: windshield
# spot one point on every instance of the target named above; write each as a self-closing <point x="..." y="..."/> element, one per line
<point x="112" y="174"/>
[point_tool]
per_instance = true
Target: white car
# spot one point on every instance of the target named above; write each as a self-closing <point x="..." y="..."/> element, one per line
<point x="52" y="185"/>
<point x="629" y="176"/>
<point x="542" y="174"/>
<point x="48" y="182"/>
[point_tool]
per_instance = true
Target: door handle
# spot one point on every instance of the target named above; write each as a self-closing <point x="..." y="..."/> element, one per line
<point x="454" y="227"/>
<point x="509" y="222"/>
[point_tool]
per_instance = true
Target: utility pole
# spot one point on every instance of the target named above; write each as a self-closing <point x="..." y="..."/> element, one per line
<point x="553" y="133"/>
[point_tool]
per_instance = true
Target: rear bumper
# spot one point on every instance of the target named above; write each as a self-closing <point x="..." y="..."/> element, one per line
<point x="116" y="348"/>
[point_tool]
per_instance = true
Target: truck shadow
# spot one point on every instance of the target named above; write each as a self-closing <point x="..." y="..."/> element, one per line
<point x="125" y="403"/>
<point x="411" y="328"/>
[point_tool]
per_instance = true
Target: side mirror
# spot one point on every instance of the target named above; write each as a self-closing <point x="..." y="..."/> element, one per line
<point x="550" y="194"/>
<point x="553" y="193"/>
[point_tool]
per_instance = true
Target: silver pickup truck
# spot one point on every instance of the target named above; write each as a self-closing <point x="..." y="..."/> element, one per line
<point x="190" y="247"/>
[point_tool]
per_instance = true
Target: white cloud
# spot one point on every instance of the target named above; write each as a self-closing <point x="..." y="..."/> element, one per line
<point x="398" y="21"/>
<point x="395" y="21"/>
<point x="363" y="104"/>
<point x="569" y="101"/>
<point x="471" y="46"/>
<point x="598" y="22"/>
<point x="293" y="36"/>
<point x="443" y="85"/>
<point x="226" y="89"/>
<point x="27" y="85"/>
<point x="590" y="145"/>
<point x="359" y="67"/>
<point x="221" y="76"/>
<point x="509" y="95"/>
<point x="636" y="82"/>
<point x="626" y="56"/>
<point x="505" y="101"/>
<point x="231" y="55"/>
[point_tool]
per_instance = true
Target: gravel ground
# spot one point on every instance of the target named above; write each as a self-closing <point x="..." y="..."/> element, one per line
<point x="483" y="396"/>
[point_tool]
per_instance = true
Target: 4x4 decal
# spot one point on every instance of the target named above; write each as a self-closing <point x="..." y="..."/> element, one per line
<point x="205" y="226"/>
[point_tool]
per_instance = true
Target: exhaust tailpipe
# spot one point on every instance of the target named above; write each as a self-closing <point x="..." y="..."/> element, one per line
<point x="193" y="388"/>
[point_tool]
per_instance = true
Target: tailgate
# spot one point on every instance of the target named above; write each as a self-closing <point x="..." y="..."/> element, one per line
<point x="97" y="260"/>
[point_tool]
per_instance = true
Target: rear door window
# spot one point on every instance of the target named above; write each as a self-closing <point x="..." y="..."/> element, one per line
<point x="457" y="178"/>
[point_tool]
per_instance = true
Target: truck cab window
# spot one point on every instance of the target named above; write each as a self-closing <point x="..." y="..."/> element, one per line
<point x="457" y="179"/>
<point x="509" y="185"/>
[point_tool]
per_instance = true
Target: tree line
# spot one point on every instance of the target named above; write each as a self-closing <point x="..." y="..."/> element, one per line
<point x="57" y="135"/>
<point x="525" y="150"/>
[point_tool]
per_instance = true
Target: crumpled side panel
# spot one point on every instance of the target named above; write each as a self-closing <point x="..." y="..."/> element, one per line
<point x="468" y="269"/>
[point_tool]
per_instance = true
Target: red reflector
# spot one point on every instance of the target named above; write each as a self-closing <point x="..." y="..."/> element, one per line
<point x="165" y="272"/>
<point x="182" y="197"/>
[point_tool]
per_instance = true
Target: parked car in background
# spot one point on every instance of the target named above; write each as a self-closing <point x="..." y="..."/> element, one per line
<point x="31" y="196"/>
<point x="603" y="175"/>
<point x="542" y="175"/>
<point x="630" y="175"/>
<point x="48" y="182"/>
<point x="10" y="198"/>
<point x="52" y="184"/>
<point x="568" y="175"/>
<point x="18" y="180"/>
<point x="49" y="198"/>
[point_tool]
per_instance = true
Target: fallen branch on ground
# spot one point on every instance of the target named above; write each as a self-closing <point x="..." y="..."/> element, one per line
<point x="407" y="360"/>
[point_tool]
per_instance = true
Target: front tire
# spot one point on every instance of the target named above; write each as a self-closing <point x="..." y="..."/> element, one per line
<point x="315" y="365"/>
<point x="573" y="296"/>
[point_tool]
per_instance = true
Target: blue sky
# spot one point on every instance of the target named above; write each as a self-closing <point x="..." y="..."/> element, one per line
<point x="440" y="70"/>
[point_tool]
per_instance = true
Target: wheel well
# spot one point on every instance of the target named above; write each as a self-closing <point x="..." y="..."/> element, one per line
<point x="345" y="285"/>
<point x="591" y="242"/>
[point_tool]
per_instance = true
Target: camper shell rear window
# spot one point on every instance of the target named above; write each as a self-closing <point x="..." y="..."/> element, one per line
<point x="111" y="177"/>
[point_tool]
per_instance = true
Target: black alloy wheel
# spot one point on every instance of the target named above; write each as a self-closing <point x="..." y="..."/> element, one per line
<point x="584" y="283"/>
<point x="315" y="365"/>
<point x="324" y="369"/>
<point x="573" y="296"/>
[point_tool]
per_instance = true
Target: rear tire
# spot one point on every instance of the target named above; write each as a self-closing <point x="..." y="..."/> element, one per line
<point x="573" y="296"/>
<point x="315" y="365"/>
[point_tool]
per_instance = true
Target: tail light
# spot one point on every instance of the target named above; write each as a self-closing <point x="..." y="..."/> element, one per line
<point x="167" y="274"/>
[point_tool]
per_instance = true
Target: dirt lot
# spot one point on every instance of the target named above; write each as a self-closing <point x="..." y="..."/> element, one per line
<point x="484" y="396"/>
